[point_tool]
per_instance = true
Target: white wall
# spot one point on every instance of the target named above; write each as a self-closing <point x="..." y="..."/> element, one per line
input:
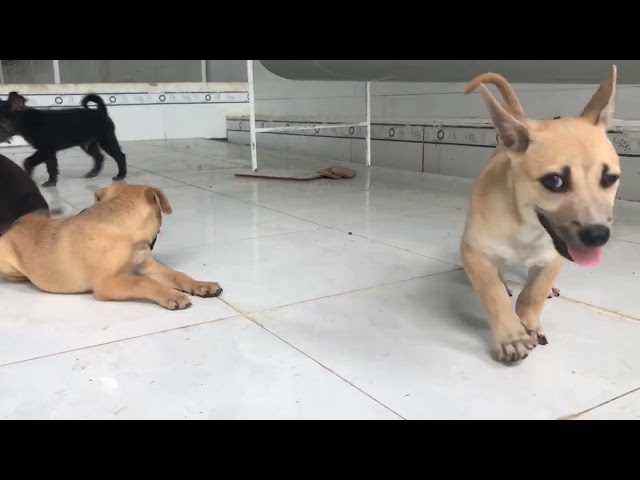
<point x="147" y="99"/>
<point x="149" y="112"/>
<point x="123" y="71"/>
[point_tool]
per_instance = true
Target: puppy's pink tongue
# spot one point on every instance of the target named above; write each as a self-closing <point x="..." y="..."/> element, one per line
<point x="587" y="257"/>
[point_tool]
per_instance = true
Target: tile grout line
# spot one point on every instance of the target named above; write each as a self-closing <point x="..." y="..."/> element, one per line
<point x="317" y="362"/>
<point x="363" y="289"/>
<point x="458" y="267"/>
<point x="16" y="362"/>
<point x="576" y="416"/>
<point x="305" y="220"/>
<point x="627" y="241"/>
<point x="219" y="243"/>
<point x="184" y="183"/>
<point x="247" y="316"/>
<point x="595" y="308"/>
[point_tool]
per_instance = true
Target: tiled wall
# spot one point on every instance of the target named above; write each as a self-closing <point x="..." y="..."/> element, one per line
<point x="146" y="112"/>
<point x="443" y="148"/>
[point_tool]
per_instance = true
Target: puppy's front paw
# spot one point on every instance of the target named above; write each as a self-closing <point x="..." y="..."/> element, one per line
<point x="176" y="301"/>
<point x="514" y="346"/>
<point x="533" y="327"/>
<point x="538" y="336"/>
<point x="555" y="292"/>
<point x="206" y="289"/>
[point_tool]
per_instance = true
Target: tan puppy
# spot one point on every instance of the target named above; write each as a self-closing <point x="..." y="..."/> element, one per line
<point x="546" y="196"/>
<point x="105" y="249"/>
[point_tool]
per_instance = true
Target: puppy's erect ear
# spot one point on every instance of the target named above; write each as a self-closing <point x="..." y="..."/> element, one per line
<point x="157" y="196"/>
<point x="16" y="101"/>
<point x="513" y="133"/>
<point x="599" y="110"/>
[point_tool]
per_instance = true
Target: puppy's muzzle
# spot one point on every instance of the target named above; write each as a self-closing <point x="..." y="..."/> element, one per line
<point x="594" y="236"/>
<point x="581" y="246"/>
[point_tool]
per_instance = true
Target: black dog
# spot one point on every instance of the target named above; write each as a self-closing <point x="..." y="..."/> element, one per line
<point x="49" y="131"/>
<point x="19" y="194"/>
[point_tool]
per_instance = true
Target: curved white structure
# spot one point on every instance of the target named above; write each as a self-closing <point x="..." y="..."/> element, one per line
<point x="516" y="71"/>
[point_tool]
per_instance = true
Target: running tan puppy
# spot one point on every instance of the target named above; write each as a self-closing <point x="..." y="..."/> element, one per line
<point x="106" y="249"/>
<point x="546" y="196"/>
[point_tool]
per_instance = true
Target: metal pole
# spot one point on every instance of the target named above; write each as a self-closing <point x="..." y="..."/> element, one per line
<point x="56" y="71"/>
<point x="203" y="69"/>
<point x="368" y="124"/>
<point x="252" y="117"/>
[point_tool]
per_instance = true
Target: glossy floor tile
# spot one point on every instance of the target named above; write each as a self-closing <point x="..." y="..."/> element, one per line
<point x="342" y="299"/>
<point x="230" y="369"/>
<point x="421" y="348"/>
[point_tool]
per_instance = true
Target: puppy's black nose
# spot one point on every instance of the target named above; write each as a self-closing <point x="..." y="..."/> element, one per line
<point x="594" y="235"/>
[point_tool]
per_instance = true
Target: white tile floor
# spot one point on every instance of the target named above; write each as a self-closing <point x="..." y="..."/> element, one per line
<point x="342" y="299"/>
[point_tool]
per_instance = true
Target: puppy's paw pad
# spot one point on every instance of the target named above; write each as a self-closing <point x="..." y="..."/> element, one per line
<point x="516" y="348"/>
<point x="206" y="289"/>
<point x="555" y="292"/>
<point x="177" y="302"/>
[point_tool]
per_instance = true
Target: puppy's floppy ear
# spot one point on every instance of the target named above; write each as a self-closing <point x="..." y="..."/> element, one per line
<point x="157" y="196"/>
<point x="16" y="101"/>
<point x="599" y="110"/>
<point x="513" y="133"/>
<point x="98" y="194"/>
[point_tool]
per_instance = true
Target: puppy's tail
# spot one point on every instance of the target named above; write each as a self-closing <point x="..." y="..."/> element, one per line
<point x="92" y="97"/>
<point x="505" y="88"/>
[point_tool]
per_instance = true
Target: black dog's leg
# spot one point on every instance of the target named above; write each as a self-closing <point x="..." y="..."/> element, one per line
<point x="52" y="169"/>
<point x="32" y="161"/>
<point x="109" y="144"/>
<point x="93" y="149"/>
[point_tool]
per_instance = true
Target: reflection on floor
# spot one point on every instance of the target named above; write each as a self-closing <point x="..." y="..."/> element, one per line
<point x="342" y="299"/>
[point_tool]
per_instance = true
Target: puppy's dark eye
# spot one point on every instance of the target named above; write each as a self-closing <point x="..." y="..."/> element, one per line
<point x="554" y="183"/>
<point x="608" y="180"/>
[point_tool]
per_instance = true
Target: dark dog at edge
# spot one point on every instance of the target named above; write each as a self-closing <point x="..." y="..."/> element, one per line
<point x="49" y="131"/>
<point x="19" y="195"/>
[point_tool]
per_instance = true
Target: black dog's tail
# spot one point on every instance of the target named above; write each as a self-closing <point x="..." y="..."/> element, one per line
<point x="92" y="97"/>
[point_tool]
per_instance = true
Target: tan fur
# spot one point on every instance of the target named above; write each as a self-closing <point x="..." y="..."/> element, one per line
<point x="503" y="227"/>
<point x="503" y="86"/>
<point x="105" y="250"/>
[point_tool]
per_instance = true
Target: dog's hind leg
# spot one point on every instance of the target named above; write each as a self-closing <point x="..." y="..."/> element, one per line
<point x="110" y="144"/>
<point x="52" y="169"/>
<point x="7" y="268"/>
<point x="32" y="161"/>
<point x="531" y="300"/>
<point x="93" y="149"/>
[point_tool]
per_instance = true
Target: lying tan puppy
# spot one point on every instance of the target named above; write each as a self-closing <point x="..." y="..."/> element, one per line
<point x="546" y="195"/>
<point x="105" y="249"/>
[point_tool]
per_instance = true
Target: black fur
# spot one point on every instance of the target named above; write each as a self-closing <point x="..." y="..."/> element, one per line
<point x="49" y="131"/>
<point x="19" y="194"/>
